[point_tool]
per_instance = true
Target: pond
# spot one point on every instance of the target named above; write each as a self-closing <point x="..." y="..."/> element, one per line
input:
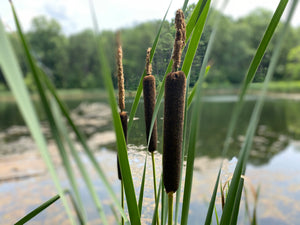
<point x="273" y="164"/>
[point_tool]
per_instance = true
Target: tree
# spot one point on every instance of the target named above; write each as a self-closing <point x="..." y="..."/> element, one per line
<point x="49" y="47"/>
<point x="293" y="63"/>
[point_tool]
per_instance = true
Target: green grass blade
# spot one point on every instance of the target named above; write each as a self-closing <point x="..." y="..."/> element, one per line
<point x="79" y="162"/>
<point x="121" y="144"/>
<point x="49" y="114"/>
<point x="212" y="201"/>
<point x="154" y="217"/>
<point x="37" y="210"/>
<point x="193" y="129"/>
<point x="164" y="207"/>
<point x="217" y="217"/>
<point x="186" y="2"/>
<point x="190" y="164"/>
<point x="235" y="189"/>
<point x="192" y="94"/>
<point x="195" y="39"/>
<point x="236" y="207"/>
<point x="201" y="78"/>
<point x="140" y="87"/>
<point x="194" y="18"/>
<point x="14" y="78"/>
<point x="78" y="210"/>
<point x="142" y="186"/>
<point x="252" y="69"/>
<point x="82" y="140"/>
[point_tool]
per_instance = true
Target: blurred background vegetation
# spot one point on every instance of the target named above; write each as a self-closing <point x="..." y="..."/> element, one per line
<point x="71" y="61"/>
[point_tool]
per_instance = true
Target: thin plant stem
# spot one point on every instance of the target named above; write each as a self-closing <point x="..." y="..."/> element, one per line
<point x="122" y="200"/>
<point x="154" y="184"/>
<point x="170" y="202"/>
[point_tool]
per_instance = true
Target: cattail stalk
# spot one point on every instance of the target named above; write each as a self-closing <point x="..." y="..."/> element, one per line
<point x="123" y="114"/>
<point x="174" y="116"/>
<point x="123" y="117"/>
<point x="170" y="206"/>
<point x="149" y="105"/>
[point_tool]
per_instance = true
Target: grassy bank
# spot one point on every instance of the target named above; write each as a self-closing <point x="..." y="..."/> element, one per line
<point x="280" y="86"/>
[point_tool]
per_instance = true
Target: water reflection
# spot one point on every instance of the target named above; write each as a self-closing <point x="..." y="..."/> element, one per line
<point x="278" y="124"/>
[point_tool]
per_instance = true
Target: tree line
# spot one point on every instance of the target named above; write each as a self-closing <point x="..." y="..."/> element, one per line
<point x="72" y="62"/>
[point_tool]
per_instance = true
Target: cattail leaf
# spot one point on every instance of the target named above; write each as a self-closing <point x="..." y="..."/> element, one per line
<point x="14" y="78"/>
<point x="193" y="131"/>
<point x="80" y="137"/>
<point x="195" y="39"/>
<point x="142" y="187"/>
<point x="235" y="189"/>
<point x="194" y="18"/>
<point x="37" y="210"/>
<point x="46" y="106"/>
<point x="157" y="203"/>
<point x="85" y="175"/>
<point x="185" y="4"/>
<point x="121" y="143"/>
<point x="192" y="94"/>
<point x="202" y="75"/>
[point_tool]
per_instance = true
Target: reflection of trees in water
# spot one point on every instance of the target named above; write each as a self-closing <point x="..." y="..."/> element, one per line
<point x="293" y="119"/>
<point x="272" y="136"/>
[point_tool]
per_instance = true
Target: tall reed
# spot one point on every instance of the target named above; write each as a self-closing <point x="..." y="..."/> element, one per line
<point x="174" y="107"/>
<point x="149" y="105"/>
<point x="123" y="114"/>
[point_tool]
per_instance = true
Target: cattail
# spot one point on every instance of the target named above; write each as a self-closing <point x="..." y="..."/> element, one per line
<point x="180" y="37"/>
<point x="173" y="129"/>
<point x="120" y="74"/>
<point x="149" y="103"/>
<point x="123" y="116"/>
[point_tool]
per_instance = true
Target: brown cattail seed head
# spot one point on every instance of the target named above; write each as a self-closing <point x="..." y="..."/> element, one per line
<point x="173" y="129"/>
<point x="123" y="116"/>
<point x="120" y="74"/>
<point x="148" y="64"/>
<point x="180" y="37"/>
<point x="149" y="104"/>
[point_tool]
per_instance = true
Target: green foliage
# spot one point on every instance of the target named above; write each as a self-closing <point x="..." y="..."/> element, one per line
<point x="56" y="46"/>
<point x="49" y="48"/>
<point x="293" y="64"/>
<point x="71" y="64"/>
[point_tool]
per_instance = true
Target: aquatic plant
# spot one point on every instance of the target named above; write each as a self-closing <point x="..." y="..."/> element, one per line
<point x="194" y="28"/>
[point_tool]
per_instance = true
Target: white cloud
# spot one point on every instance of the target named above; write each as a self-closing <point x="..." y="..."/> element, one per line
<point x="74" y="15"/>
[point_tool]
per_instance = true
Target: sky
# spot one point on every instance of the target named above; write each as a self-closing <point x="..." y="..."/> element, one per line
<point x="74" y="15"/>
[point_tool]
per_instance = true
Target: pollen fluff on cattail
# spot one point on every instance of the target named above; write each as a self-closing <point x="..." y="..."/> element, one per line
<point x="120" y="74"/>
<point x="123" y="116"/>
<point x="173" y="129"/>
<point x="149" y="103"/>
<point x="180" y="37"/>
